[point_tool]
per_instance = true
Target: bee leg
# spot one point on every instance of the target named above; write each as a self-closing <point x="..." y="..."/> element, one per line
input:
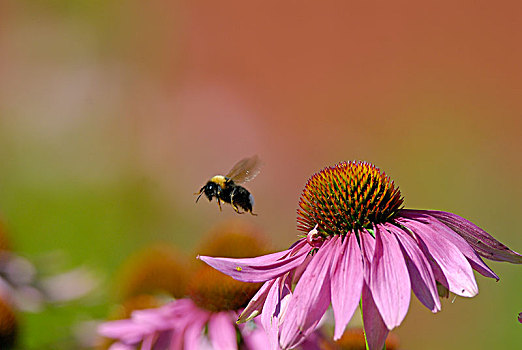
<point x="234" y="206"/>
<point x="219" y="203"/>
<point x="252" y="213"/>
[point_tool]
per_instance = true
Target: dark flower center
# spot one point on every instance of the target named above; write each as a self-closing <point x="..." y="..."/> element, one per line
<point x="346" y="197"/>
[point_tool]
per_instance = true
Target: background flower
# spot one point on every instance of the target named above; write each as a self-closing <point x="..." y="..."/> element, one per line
<point x="205" y="312"/>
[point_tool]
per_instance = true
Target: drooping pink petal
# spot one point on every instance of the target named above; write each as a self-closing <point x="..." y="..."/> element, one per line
<point x="374" y="327"/>
<point x="255" y="305"/>
<point x="421" y="275"/>
<point x="389" y="281"/>
<point x="262" y="268"/>
<point x="121" y="346"/>
<point x="447" y="259"/>
<point x="313" y="342"/>
<point x="162" y="340"/>
<point x="347" y="279"/>
<point x="193" y="333"/>
<point x="446" y="233"/>
<point x="310" y="299"/>
<point x="367" y="250"/>
<point x="296" y="273"/>
<point x="485" y="244"/>
<point x="222" y="332"/>
<point x="193" y="317"/>
<point x="148" y="342"/>
<point x="272" y="310"/>
<point x="158" y="318"/>
<point x="128" y="331"/>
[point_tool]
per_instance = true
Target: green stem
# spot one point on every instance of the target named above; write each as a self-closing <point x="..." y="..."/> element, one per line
<point x="364" y="328"/>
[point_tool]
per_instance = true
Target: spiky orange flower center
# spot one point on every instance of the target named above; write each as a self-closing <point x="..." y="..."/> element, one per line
<point x="214" y="291"/>
<point x="346" y="197"/>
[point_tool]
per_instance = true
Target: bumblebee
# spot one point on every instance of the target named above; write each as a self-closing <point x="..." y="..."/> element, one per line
<point x="226" y="188"/>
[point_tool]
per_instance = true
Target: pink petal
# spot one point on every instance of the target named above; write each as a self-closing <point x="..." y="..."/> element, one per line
<point x="367" y="249"/>
<point x="480" y="240"/>
<point x="299" y="270"/>
<point x="448" y="259"/>
<point x="255" y="305"/>
<point x="347" y="280"/>
<point x="374" y="327"/>
<point x="389" y="281"/>
<point x="422" y="277"/>
<point x="193" y="334"/>
<point x="121" y="346"/>
<point x="447" y="233"/>
<point x="222" y="332"/>
<point x="262" y="268"/>
<point x="272" y="311"/>
<point x="128" y="331"/>
<point x="313" y="342"/>
<point x="310" y="299"/>
<point x="147" y="343"/>
<point x="158" y="318"/>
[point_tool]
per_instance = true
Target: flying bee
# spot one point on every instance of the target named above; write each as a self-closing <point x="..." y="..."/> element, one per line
<point x="226" y="188"/>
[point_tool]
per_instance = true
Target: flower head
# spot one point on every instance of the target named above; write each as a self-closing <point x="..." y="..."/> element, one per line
<point x="205" y="318"/>
<point x="182" y="324"/>
<point x="362" y="246"/>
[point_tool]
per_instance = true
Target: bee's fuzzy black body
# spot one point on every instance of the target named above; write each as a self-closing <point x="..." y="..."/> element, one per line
<point x="226" y="188"/>
<point x="229" y="192"/>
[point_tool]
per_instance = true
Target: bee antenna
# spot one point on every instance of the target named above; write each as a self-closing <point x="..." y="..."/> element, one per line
<point x="200" y="193"/>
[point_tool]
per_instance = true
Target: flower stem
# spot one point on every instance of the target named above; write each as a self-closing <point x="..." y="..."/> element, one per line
<point x="364" y="328"/>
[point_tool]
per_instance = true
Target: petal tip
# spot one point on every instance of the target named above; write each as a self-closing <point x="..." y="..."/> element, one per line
<point x="242" y="319"/>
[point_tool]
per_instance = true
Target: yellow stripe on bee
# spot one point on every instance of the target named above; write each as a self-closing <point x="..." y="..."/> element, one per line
<point x="219" y="180"/>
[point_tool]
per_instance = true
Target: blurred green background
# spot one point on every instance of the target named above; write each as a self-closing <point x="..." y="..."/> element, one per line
<point x="112" y="113"/>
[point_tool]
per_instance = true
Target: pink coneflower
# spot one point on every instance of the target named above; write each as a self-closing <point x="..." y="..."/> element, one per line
<point x="205" y="318"/>
<point x="182" y="324"/>
<point x="362" y="246"/>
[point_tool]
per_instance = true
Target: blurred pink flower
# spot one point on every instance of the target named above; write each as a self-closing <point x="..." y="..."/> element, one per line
<point x="181" y="324"/>
<point x="362" y="246"/>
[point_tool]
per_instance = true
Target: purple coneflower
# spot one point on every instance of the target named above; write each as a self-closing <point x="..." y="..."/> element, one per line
<point x="205" y="318"/>
<point x="361" y="246"/>
<point x="181" y="324"/>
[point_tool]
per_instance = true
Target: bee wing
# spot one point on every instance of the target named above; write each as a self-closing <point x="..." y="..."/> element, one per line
<point x="245" y="170"/>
